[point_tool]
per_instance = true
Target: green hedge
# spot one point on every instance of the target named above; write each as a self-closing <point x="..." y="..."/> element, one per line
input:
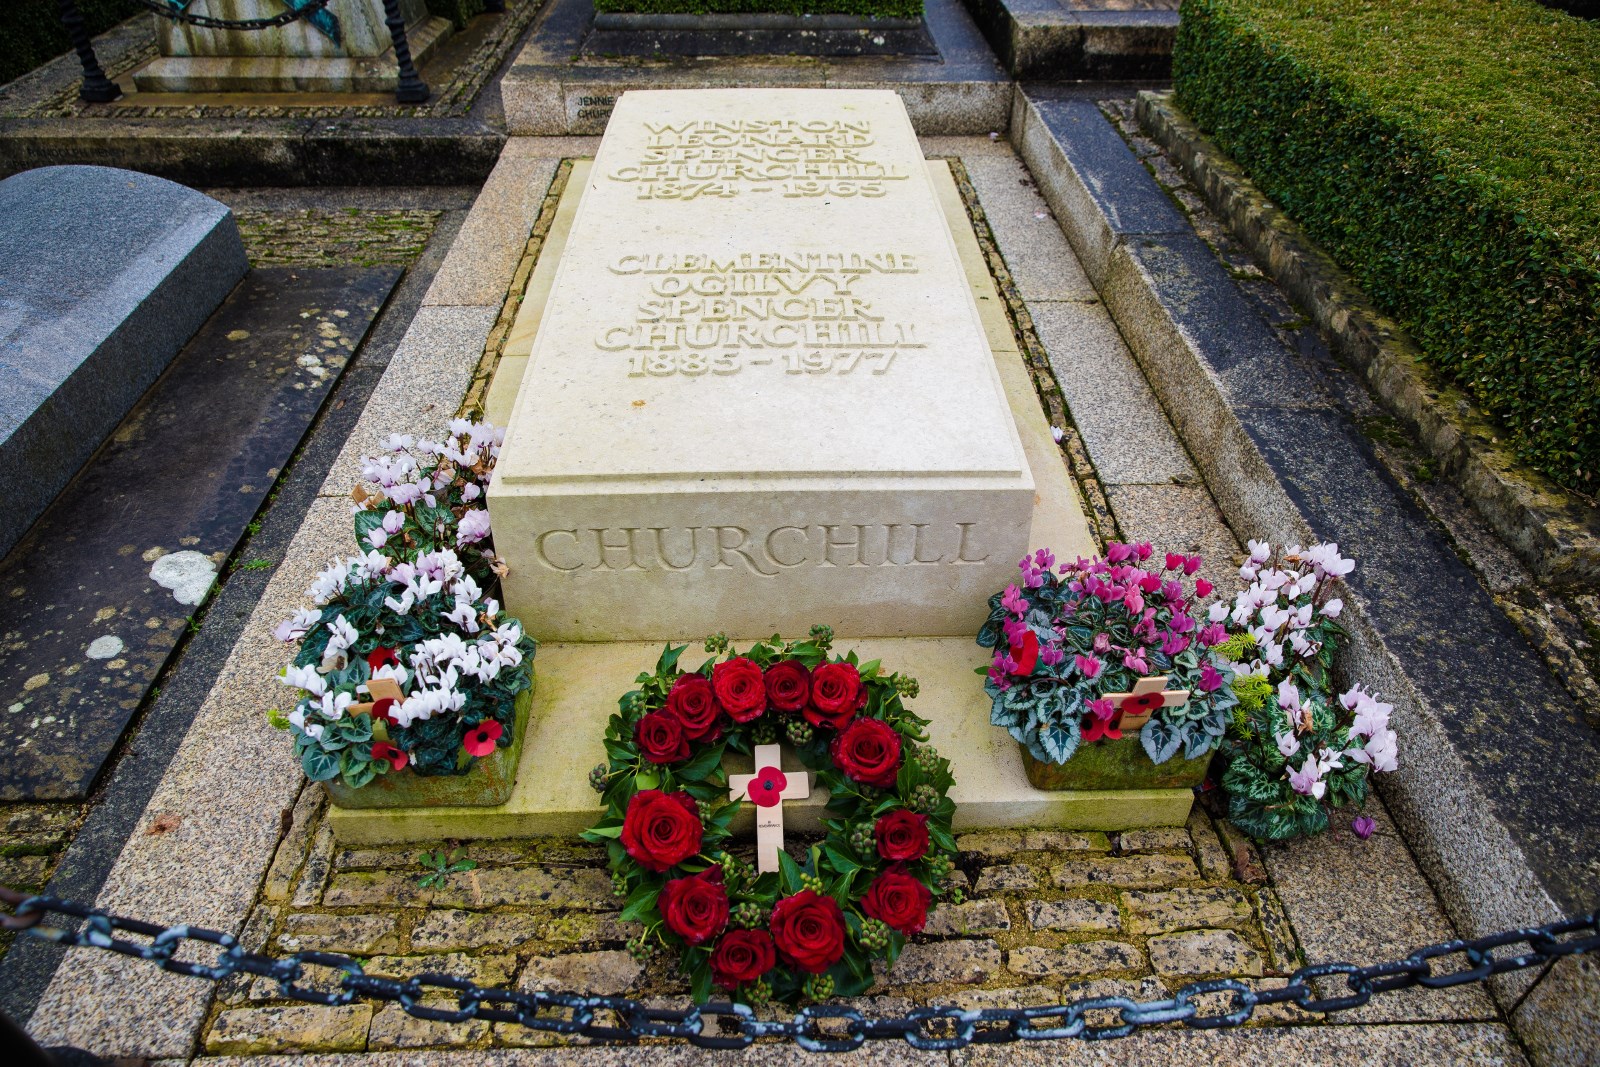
<point x="1447" y="154"/>
<point x="33" y="34"/>
<point x="882" y="9"/>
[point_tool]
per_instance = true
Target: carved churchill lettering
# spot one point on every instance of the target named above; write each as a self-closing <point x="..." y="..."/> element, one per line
<point x="764" y="552"/>
<point x="759" y="394"/>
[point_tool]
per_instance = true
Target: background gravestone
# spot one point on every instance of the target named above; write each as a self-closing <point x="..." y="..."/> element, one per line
<point x="104" y="275"/>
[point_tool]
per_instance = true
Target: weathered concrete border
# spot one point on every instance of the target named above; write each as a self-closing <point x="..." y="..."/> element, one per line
<point x="1246" y="414"/>
<point x="1555" y="533"/>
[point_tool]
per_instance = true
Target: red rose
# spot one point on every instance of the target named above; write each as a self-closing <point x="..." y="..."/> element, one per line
<point x="809" y="931"/>
<point x="902" y="835"/>
<point x="836" y="695"/>
<point x="692" y="701"/>
<point x="660" y="737"/>
<point x="660" y="829"/>
<point x="742" y="956"/>
<point x="739" y="688"/>
<point x="695" y="908"/>
<point x="898" y="900"/>
<point x="788" y="685"/>
<point x="1025" y="653"/>
<point x="868" y="751"/>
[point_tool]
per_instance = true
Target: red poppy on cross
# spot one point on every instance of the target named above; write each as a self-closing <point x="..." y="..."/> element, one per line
<point x="385" y="693"/>
<point x="1149" y="695"/>
<point x="767" y="789"/>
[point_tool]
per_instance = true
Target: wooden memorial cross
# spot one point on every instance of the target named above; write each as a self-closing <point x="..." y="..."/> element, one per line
<point x="767" y="789"/>
<point x="380" y="689"/>
<point x="1149" y="694"/>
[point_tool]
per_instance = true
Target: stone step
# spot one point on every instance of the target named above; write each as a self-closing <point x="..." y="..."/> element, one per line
<point x="555" y="86"/>
<point x="101" y="589"/>
<point x="1080" y="40"/>
<point x="577" y="690"/>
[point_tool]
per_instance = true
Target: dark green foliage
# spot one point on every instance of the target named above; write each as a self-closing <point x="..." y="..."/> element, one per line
<point x="881" y="9"/>
<point x="843" y="866"/>
<point x="1447" y="154"/>
<point x="33" y="33"/>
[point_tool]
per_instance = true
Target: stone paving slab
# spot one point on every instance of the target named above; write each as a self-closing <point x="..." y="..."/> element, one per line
<point x="101" y="590"/>
<point x="1122" y="423"/>
<point x="1394" y="909"/>
<point x="1036" y="253"/>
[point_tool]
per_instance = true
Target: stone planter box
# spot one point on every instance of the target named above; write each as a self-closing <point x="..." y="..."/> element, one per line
<point x="486" y="785"/>
<point x="1120" y="764"/>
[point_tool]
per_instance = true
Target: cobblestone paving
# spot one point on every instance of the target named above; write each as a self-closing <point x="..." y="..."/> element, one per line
<point x="1049" y="913"/>
<point x="32" y="839"/>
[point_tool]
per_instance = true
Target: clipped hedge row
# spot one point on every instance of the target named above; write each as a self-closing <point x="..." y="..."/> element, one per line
<point x="879" y="9"/>
<point x="1447" y="154"/>
<point x="33" y="34"/>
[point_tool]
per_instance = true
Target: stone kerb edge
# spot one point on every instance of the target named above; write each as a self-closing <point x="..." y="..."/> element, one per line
<point x="1483" y="876"/>
<point x="1554" y="533"/>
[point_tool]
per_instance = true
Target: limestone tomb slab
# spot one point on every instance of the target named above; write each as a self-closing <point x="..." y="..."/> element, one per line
<point x="760" y="395"/>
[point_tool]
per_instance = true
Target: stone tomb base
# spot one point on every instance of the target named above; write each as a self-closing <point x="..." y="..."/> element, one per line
<point x="578" y="687"/>
<point x="579" y="684"/>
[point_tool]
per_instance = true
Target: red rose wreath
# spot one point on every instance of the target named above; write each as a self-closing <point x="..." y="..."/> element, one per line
<point x="814" y="928"/>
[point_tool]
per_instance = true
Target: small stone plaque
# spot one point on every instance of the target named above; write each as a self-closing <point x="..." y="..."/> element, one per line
<point x="760" y="395"/>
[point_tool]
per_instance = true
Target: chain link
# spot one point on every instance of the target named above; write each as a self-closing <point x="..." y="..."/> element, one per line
<point x="816" y="1027"/>
<point x="176" y="14"/>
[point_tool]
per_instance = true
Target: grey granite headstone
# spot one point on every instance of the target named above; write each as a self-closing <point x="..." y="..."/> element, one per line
<point x="104" y="275"/>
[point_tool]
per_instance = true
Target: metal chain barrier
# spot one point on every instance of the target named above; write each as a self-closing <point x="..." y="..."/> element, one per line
<point x="818" y="1027"/>
<point x="210" y="22"/>
<point x="97" y="88"/>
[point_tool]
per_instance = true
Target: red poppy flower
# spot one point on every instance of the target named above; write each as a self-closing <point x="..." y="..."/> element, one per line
<point x="1095" y="728"/>
<point x="382" y="657"/>
<point x="768" y="787"/>
<point x="1026" y="654"/>
<point x="481" y="738"/>
<point x="380" y="710"/>
<point x="385" y="751"/>
<point x="1142" y="703"/>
